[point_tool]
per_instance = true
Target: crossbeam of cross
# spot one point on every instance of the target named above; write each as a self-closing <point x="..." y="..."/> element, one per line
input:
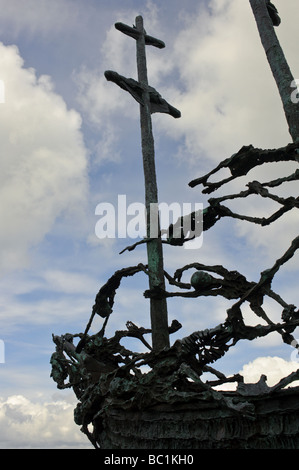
<point x="150" y="101"/>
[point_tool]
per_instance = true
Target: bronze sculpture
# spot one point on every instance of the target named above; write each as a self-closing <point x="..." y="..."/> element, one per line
<point x="115" y="394"/>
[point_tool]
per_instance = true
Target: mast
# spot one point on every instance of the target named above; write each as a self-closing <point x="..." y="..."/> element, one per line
<point x="266" y="17"/>
<point x="149" y="101"/>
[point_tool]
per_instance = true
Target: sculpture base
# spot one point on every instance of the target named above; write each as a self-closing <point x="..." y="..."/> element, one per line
<point x="198" y="424"/>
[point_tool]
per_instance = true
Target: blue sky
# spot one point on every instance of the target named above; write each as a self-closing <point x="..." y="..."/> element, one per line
<point x="71" y="140"/>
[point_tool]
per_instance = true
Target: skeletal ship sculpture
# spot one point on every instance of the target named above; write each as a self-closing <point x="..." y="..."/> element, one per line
<point x="170" y="406"/>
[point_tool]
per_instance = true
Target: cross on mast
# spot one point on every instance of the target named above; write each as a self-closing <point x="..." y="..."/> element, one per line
<point x="150" y="101"/>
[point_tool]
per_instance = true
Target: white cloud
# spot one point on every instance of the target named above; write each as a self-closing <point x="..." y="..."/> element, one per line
<point x="43" y="162"/>
<point x="39" y="424"/>
<point x="275" y="368"/>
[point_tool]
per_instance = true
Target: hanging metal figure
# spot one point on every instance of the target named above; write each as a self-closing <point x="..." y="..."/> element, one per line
<point x="272" y="10"/>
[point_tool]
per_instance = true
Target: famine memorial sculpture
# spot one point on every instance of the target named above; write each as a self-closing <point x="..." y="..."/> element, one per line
<point x="170" y="406"/>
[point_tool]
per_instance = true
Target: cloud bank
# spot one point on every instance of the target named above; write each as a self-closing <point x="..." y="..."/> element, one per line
<point x="37" y="424"/>
<point x="43" y="161"/>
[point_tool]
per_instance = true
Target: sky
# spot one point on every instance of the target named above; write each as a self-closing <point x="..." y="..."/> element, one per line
<point x="70" y="141"/>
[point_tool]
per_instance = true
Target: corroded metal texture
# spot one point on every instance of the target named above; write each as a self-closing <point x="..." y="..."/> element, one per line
<point x="205" y="424"/>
